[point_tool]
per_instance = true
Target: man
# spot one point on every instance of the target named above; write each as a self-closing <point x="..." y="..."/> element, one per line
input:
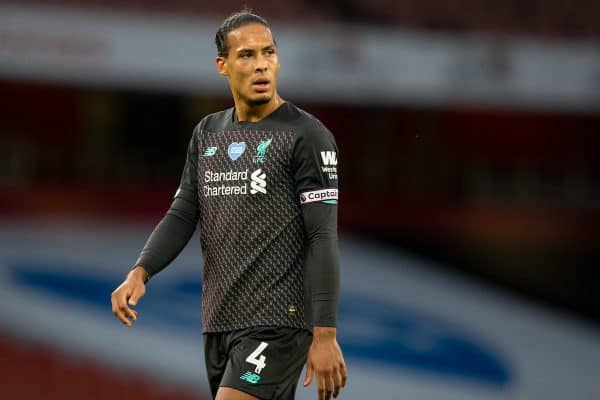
<point x="261" y="180"/>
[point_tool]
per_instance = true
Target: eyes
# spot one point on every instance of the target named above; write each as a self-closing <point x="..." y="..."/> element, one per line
<point x="248" y="54"/>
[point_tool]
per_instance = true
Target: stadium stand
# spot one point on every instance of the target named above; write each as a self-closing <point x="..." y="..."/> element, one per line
<point x="562" y="19"/>
<point x="34" y="371"/>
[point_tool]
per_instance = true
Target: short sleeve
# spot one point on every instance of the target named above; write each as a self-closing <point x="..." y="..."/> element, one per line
<point x="188" y="186"/>
<point x="316" y="165"/>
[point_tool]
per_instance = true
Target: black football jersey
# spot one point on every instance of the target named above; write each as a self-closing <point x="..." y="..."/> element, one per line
<point x="250" y="181"/>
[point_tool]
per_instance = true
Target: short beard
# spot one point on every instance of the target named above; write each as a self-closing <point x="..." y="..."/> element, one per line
<point x="258" y="102"/>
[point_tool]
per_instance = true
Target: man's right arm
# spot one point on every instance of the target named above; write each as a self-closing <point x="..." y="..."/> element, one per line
<point x="166" y="241"/>
<point x="170" y="236"/>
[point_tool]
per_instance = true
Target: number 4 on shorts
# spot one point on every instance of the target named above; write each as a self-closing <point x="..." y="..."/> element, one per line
<point x="254" y="358"/>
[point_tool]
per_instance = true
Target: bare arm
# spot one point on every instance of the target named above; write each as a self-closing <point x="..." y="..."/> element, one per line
<point x="325" y="360"/>
<point x="128" y="294"/>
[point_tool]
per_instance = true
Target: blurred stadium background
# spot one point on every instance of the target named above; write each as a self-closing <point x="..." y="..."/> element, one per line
<point x="469" y="135"/>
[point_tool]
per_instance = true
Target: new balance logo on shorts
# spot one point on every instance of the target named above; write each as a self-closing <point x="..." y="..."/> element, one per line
<point x="257" y="359"/>
<point x="250" y="377"/>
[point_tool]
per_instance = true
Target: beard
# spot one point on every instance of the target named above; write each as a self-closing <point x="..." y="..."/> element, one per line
<point x="260" y="101"/>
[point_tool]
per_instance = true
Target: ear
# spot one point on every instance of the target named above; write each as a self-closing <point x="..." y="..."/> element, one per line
<point x="222" y="66"/>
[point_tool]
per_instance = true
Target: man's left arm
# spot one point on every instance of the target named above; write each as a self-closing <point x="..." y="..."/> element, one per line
<point x="325" y="359"/>
<point x="316" y="177"/>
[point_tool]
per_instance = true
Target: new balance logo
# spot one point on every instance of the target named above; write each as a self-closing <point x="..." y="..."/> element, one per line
<point x="210" y="151"/>
<point x="258" y="184"/>
<point x="250" y="377"/>
<point x="329" y="157"/>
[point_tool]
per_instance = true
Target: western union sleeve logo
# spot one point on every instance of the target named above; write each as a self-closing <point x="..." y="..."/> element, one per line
<point x="329" y="167"/>
<point x="329" y="157"/>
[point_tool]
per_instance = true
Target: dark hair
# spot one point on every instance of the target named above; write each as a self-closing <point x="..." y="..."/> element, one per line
<point x="234" y="21"/>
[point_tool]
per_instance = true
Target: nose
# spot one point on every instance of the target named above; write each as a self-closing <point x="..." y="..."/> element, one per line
<point x="261" y="64"/>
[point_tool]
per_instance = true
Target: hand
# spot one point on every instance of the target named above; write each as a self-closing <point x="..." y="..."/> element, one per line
<point x="128" y="294"/>
<point x="326" y="360"/>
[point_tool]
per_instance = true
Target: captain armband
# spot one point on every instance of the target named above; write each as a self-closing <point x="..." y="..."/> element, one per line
<point x="328" y="196"/>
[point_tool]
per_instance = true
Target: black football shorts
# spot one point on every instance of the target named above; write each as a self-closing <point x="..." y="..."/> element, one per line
<point x="265" y="362"/>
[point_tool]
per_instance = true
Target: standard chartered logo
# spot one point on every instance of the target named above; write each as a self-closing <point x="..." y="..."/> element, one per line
<point x="258" y="184"/>
<point x="231" y="183"/>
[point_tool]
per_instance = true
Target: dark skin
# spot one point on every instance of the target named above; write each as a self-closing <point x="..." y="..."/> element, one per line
<point x="251" y="68"/>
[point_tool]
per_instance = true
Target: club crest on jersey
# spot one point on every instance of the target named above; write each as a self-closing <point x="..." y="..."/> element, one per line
<point x="236" y="149"/>
<point x="261" y="150"/>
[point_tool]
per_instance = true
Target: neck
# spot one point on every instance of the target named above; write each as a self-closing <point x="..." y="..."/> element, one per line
<point x="253" y="113"/>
